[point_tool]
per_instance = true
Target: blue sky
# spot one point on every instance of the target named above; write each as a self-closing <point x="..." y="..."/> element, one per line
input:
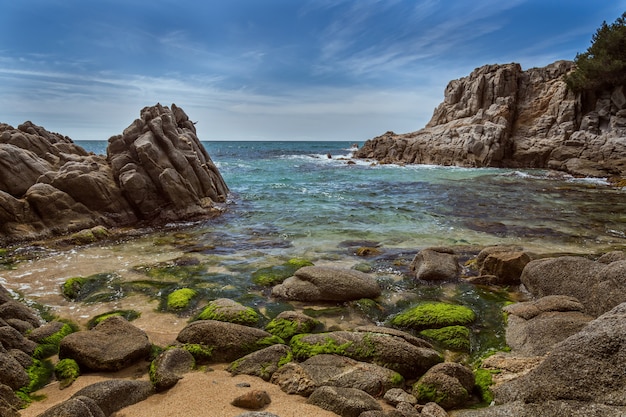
<point x="268" y="69"/>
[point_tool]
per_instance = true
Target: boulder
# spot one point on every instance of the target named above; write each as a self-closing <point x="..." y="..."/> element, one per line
<point x="10" y="403"/>
<point x="587" y="367"/>
<point x="114" y="394"/>
<point x="432" y="265"/>
<point x="12" y="374"/>
<point x="80" y="406"/>
<point x="395" y="396"/>
<point x="347" y="402"/>
<point x="16" y="310"/>
<point x="290" y="323"/>
<point x="228" y="341"/>
<point x="112" y="345"/>
<point x="157" y="171"/>
<point x="385" y="350"/>
<point x="262" y="363"/>
<point x="169" y="367"/>
<point x="336" y="371"/>
<point x="545" y="409"/>
<point x="12" y="339"/>
<point x="448" y="384"/>
<point x="317" y="283"/>
<point x="224" y="309"/>
<point x="502" y="116"/>
<point x="507" y="266"/>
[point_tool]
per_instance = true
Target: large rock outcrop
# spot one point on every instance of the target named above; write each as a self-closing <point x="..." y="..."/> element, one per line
<point x="156" y="171"/>
<point x="502" y="116"/>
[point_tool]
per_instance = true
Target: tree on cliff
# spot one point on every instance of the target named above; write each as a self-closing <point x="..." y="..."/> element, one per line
<point x="603" y="65"/>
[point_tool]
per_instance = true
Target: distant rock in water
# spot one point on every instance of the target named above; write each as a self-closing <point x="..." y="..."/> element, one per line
<point x="156" y="171"/>
<point x="501" y="116"/>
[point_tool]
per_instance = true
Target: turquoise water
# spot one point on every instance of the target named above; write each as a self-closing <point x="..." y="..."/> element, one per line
<point x="291" y="197"/>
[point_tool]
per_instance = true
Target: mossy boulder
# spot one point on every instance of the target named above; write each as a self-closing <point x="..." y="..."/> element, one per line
<point x="169" y="367"/>
<point x="448" y="384"/>
<point x="129" y="315"/>
<point x="289" y="323"/>
<point x="483" y="380"/>
<point x="274" y="275"/>
<point x="39" y="374"/>
<point x="449" y="337"/>
<point x="88" y="288"/>
<point x="385" y="350"/>
<point x="224" y="309"/>
<point x="49" y="337"/>
<point x="180" y="299"/>
<point x="262" y="363"/>
<point x="66" y="371"/>
<point x="434" y="315"/>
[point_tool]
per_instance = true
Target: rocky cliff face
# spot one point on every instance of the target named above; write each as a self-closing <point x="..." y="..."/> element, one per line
<point x="156" y="171"/>
<point x="501" y="116"/>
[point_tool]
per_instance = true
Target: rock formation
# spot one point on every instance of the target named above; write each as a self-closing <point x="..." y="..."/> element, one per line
<point x="156" y="171"/>
<point x="501" y="116"/>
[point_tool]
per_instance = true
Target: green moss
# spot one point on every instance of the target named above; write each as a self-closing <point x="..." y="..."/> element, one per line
<point x="285" y="359"/>
<point x="274" y="275"/>
<point x="180" y="299"/>
<point x="304" y="350"/>
<point x="483" y="382"/>
<point x="103" y="287"/>
<point x="397" y="380"/>
<point x="50" y="345"/>
<point x="434" y="315"/>
<point x="269" y="341"/>
<point x="200" y="353"/>
<point x="450" y="337"/>
<point x="66" y="371"/>
<point x="286" y="329"/>
<point x="129" y="315"/>
<point x="246" y="316"/>
<point x="427" y="393"/>
<point x="39" y="374"/>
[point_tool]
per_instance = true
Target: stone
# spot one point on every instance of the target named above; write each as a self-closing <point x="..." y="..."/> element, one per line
<point x="347" y="402"/>
<point x="228" y="341"/>
<point x="252" y="400"/>
<point x="262" y="363"/>
<point x="79" y="406"/>
<point x="433" y="410"/>
<point x="448" y="384"/>
<point x="112" y="345"/>
<point x="16" y="310"/>
<point x="12" y="339"/>
<point x="529" y="309"/>
<point x="431" y="265"/>
<point x="506" y="266"/>
<point x="588" y="367"/>
<point x="289" y="323"/>
<point x="10" y="403"/>
<point x="317" y="283"/>
<point x="545" y="409"/>
<point x="256" y="414"/>
<point x="408" y="410"/>
<point x="114" y="394"/>
<point x="169" y="367"/>
<point x="12" y="374"/>
<point x="224" y="309"/>
<point x="294" y="379"/>
<point x="395" y="396"/>
<point x="502" y="116"/>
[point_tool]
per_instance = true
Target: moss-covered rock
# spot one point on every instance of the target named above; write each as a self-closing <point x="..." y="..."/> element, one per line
<point x="129" y="315"/>
<point x="433" y="315"/>
<point x="66" y="371"/>
<point x="448" y="384"/>
<point x="87" y="289"/>
<point x="39" y="374"/>
<point x="201" y="354"/>
<point x="180" y="299"/>
<point x="49" y="345"/>
<point x="224" y="309"/>
<point x="289" y="323"/>
<point x="449" y="337"/>
<point x="483" y="381"/>
<point x="274" y="275"/>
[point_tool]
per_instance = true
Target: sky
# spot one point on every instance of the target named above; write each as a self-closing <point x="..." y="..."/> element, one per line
<point x="268" y="69"/>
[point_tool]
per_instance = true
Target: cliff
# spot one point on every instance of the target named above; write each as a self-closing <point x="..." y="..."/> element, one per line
<point x="502" y="116"/>
<point x="155" y="172"/>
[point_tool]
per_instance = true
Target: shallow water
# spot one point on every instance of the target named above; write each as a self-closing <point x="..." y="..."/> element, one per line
<point x="305" y="200"/>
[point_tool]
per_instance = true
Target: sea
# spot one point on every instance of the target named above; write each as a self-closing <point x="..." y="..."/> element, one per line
<point x="315" y="201"/>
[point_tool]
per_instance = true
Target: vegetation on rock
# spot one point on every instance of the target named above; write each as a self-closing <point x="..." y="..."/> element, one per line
<point x="603" y="65"/>
<point x="237" y="313"/>
<point x="483" y="383"/>
<point x="449" y="337"/>
<point x="286" y="329"/>
<point x="50" y="345"/>
<point x="129" y="315"/>
<point x="274" y="275"/>
<point x="39" y="374"/>
<point x="66" y="371"/>
<point x="180" y="299"/>
<point x="433" y="315"/>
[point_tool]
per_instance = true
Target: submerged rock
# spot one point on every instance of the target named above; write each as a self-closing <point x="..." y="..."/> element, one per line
<point x="155" y="172"/>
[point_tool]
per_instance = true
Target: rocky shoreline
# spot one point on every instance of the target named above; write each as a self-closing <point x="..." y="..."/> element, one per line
<point x="564" y="356"/>
<point x="502" y="116"/>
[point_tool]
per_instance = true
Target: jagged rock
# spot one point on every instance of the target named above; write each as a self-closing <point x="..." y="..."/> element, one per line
<point x="262" y="363"/>
<point x="502" y="116"/>
<point x="317" y="283"/>
<point x="347" y="402"/>
<point x="114" y="394"/>
<point x="587" y="367"/>
<point x="335" y="371"/>
<point x="80" y="406"/>
<point x="432" y="265"/>
<point x="169" y="367"/>
<point x="110" y="346"/>
<point x="598" y="286"/>
<point x="385" y="350"/>
<point x="156" y="171"/>
<point x="228" y="341"/>
<point x="448" y="384"/>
